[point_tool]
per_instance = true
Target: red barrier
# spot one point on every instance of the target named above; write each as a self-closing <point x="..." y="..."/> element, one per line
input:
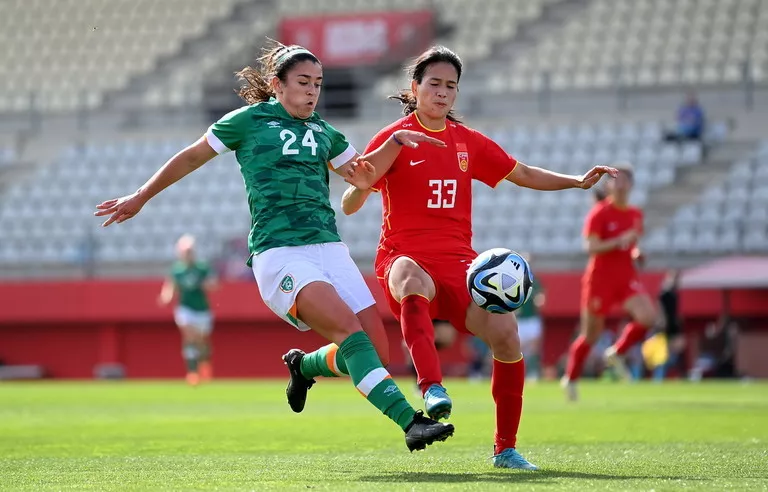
<point x="361" y="38"/>
<point x="69" y="327"/>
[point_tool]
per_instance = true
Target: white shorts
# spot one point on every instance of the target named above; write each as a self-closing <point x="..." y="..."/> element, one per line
<point x="200" y="321"/>
<point x="529" y="328"/>
<point x="282" y="272"/>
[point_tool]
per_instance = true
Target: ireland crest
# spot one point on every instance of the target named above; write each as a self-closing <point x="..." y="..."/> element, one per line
<point x="286" y="285"/>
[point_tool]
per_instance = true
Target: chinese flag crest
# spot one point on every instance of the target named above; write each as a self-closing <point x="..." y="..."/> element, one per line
<point x="463" y="156"/>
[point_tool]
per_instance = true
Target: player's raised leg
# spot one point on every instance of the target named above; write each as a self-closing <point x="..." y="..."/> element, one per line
<point x="340" y="270"/>
<point x="592" y="324"/>
<point x="643" y="313"/>
<point x="328" y="362"/>
<point x="499" y="331"/>
<point x="319" y="306"/>
<point x="414" y="289"/>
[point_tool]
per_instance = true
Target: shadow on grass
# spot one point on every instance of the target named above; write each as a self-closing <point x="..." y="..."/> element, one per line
<point x="504" y="476"/>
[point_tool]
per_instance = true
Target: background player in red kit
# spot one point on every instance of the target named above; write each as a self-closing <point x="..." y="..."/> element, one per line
<point x="426" y="239"/>
<point x="611" y="230"/>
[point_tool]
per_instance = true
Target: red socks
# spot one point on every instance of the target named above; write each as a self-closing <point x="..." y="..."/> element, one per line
<point x="633" y="333"/>
<point x="419" y="335"/>
<point x="507" y="383"/>
<point x="577" y="354"/>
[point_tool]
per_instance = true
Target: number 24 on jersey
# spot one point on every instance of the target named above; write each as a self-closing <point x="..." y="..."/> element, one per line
<point x="289" y="139"/>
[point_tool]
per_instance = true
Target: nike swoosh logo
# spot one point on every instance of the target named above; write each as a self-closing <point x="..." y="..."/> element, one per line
<point x="416" y="163"/>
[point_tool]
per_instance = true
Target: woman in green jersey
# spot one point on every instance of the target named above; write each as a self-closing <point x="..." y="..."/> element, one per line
<point x="304" y="272"/>
<point x="190" y="281"/>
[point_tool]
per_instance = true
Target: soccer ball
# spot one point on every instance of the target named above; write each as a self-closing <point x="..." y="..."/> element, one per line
<point x="499" y="280"/>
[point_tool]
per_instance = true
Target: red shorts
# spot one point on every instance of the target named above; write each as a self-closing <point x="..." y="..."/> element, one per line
<point x="600" y="295"/>
<point x="450" y="277"/>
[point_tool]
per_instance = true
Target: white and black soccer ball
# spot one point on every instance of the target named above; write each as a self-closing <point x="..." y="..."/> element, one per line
<point x="499" y="280"/>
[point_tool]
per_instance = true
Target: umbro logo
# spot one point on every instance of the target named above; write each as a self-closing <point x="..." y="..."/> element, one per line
<point x="391" y="390"/>
<point x="416" y="163"/>
<point x="273" y="124"/>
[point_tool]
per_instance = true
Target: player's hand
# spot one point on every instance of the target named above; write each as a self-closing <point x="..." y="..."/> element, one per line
<point x="638" y="257"/>
<point x="361" y="174"/>
<point x="120" y="209"/>
<point x="590" y="179"/>
<point x="412" y="139"/>
<point x="627" y="239"/>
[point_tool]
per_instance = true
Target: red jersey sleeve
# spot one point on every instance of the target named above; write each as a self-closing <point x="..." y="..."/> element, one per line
<point x="593" y="224"/>
<point x="374" y="144"/>
<point x="490" y="164"/>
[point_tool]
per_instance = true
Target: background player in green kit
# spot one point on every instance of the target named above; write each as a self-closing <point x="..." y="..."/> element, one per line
<point x="190" y="281"/>
<point x="530" y="328"/>
<point x="304" y="272"/>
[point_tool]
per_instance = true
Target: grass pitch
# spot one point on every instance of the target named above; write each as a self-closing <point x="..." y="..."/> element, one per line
<point x="242" y="436"/>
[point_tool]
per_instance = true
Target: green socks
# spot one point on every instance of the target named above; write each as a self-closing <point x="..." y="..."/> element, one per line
<point x="372" y="380"/>
<point x="191" y="355"/>
<point x="325" y="361"/>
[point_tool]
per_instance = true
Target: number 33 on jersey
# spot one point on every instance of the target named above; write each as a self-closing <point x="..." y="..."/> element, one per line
<point x="429" y="189"/>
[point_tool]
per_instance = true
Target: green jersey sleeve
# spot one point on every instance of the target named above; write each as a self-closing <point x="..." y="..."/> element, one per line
<point x="227" y="134"/>
<point x="341" y="150"/>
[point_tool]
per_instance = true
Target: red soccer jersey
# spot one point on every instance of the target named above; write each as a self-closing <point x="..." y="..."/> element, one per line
<point x="607" y="221"/>
<point x="427" y="193"/>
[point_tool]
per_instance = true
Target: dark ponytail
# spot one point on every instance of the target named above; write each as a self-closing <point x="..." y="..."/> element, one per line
<point x="276" y="61"/>
<point x="416" y="71"/>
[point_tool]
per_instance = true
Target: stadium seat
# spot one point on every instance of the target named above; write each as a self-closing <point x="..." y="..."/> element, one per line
<point x="653" y="44"/>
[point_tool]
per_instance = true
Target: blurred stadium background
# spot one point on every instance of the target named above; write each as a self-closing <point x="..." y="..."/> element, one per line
<point x="95" y="95"/>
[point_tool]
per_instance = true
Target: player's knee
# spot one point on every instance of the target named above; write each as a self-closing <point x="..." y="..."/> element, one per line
<point x="591" y="332"/>
<point x="412" y="284"/>
<point x="505" y="346"/>
<point x="407" y="277"/>
<point x="591" y="336"/>
<point x="647" y="317"/>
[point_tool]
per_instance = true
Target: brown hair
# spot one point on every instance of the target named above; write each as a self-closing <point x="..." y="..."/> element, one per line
<point x="276" y="60"/>
<point x="416" y="71"/>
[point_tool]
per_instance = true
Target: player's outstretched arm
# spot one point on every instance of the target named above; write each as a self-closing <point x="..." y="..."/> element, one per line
<point x="353" y="199"/>
<point x="541" y="179"/>
<point x="384" y="156"/>
<point x="364" y="171"/>
<point x="178" y="166"/>
<point x="594" y="245"/>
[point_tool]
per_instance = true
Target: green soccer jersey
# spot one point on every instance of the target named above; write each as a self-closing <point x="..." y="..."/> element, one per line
<point x="529" y="309"/>
<point x="189" y="280"/>
<point x="285" y="166"/>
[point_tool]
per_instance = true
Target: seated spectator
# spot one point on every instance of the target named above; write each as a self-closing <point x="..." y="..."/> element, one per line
<point x="690" y="121"/>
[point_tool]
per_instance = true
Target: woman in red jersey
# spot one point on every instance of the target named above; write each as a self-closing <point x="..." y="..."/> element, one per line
<point x="611" y="231"/>
<point x="426" y="239"/>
